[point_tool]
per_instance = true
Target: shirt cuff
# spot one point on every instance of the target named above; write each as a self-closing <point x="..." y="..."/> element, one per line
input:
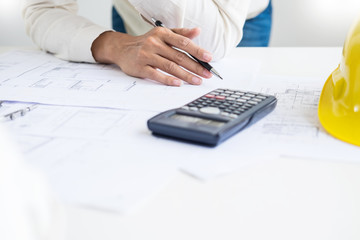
<point x="80" y="47"/>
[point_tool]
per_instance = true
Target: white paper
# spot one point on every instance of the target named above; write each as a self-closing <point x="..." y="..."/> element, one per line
<point x="293" y="129"/>
<point x="49" y="80"/>
<point x="94" y="157"/>
<point x="107" y="158"/>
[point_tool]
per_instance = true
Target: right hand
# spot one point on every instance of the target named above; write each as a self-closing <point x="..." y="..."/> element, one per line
<point x="141" y="56"/>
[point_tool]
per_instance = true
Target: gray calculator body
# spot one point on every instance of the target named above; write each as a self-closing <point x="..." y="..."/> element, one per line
<point x="213" y="117"/>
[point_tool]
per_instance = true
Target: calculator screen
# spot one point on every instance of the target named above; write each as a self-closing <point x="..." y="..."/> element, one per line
<point x="197" y="120"/>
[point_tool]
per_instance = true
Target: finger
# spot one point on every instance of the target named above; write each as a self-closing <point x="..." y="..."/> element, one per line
<point x="186" y="62"/>
<point x="187" y="32"/>
<point x="181" y="59"/>
<point x="153" y="74"/>
<point x="174" y="69"/>
<point x="185" y="44"/>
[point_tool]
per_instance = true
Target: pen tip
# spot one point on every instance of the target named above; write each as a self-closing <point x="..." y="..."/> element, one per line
<point x="216" y="73"/>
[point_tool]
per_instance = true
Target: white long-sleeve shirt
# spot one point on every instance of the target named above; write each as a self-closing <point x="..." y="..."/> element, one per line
<point x="55" y="26"/>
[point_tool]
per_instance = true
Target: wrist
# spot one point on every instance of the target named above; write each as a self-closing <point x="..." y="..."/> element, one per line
<point x="102" y="48"/>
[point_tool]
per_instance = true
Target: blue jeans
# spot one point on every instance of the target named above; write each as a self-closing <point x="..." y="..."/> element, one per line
<point x="117" y="21"/>
<point x="256" y="30"/>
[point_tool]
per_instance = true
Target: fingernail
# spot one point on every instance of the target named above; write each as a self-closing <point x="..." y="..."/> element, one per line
<point x="176" y="82"/>
<point x="207" y="74"/>
<point x="207" y="56"/>
<point x="196" y="80"/>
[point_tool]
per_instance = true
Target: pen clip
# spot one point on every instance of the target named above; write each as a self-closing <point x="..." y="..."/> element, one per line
<point x="153" y="21"/>
<point x="157" y="23"/>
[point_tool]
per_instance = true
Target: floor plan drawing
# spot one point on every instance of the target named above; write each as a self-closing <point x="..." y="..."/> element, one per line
<point x="293" y="128"/>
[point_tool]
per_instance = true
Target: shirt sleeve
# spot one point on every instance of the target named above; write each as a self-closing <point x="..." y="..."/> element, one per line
<point x="55" y="27"/>
<point x="221" y="21"/>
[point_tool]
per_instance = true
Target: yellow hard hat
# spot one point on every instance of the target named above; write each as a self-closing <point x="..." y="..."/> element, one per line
<point x="339" y="105"/>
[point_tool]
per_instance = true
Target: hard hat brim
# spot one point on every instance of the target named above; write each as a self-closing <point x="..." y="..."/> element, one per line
<point x="345" y="127"/>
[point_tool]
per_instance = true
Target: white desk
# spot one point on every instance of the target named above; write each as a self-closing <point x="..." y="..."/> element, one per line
<point x="281" y="199"/>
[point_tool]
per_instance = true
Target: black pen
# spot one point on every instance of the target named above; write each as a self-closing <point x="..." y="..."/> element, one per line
<point x="206" y="65"/>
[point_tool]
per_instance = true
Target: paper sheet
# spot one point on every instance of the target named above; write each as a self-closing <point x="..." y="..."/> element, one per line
<point x="39" y="77"/>
<point x="107" y="158"/>
<point x="96" y="153"/>
<point x="293" y="129"/>
<point x="91" y="156"/>
<point x="93" y="143"/>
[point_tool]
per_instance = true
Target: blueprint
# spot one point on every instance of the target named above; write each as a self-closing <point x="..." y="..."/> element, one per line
<point x="293" y="129"/>
<point x="90" y="122"/>
<point x="88" y="133"/>
<point x="42" y="78"/>
<point x="107" y="158"/>
<point x="85" y="154"/>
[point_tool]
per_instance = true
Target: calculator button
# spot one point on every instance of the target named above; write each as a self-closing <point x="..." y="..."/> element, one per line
<point x="210" y="110"/>
<point x="252" y="102"/>
<point x="230" y="99"/>
<point x="237" y="112"/>
<point x="220" y="97"/>
<point x="193" y="108"/>
<point x="250" y="95"/>
<point x="241" y="100"/>
<point x="247" y="105"/>
<point x="225" y="114"/>
<point x="210" y="96"/>
<point x="246" y="98"/>
<point x="257" y="99"/>
<point x="261" y="97"/>
<point x="185" y="108"/>
<point x="233" y="115"/>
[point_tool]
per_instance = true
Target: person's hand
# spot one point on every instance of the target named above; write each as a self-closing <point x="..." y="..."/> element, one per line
<point x="141" y="56"/>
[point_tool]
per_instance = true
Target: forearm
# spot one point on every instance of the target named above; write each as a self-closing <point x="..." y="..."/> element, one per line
<point x="221" y="21"/>
<point x="56" y="28"/>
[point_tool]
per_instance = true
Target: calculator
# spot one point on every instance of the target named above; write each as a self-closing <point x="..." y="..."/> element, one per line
<point x="213" y="117"/>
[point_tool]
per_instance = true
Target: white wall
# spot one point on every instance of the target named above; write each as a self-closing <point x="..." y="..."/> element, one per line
<point x="296" y="22"/>
<point x="312" y="22"/>
<point x="11" y="26"/>
<point x="12" y="32"/>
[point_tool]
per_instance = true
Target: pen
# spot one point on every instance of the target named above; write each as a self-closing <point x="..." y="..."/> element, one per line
<point x="206" y="65"/>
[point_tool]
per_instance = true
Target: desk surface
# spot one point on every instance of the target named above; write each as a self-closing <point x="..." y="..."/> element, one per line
<point x="279" y="199"/>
